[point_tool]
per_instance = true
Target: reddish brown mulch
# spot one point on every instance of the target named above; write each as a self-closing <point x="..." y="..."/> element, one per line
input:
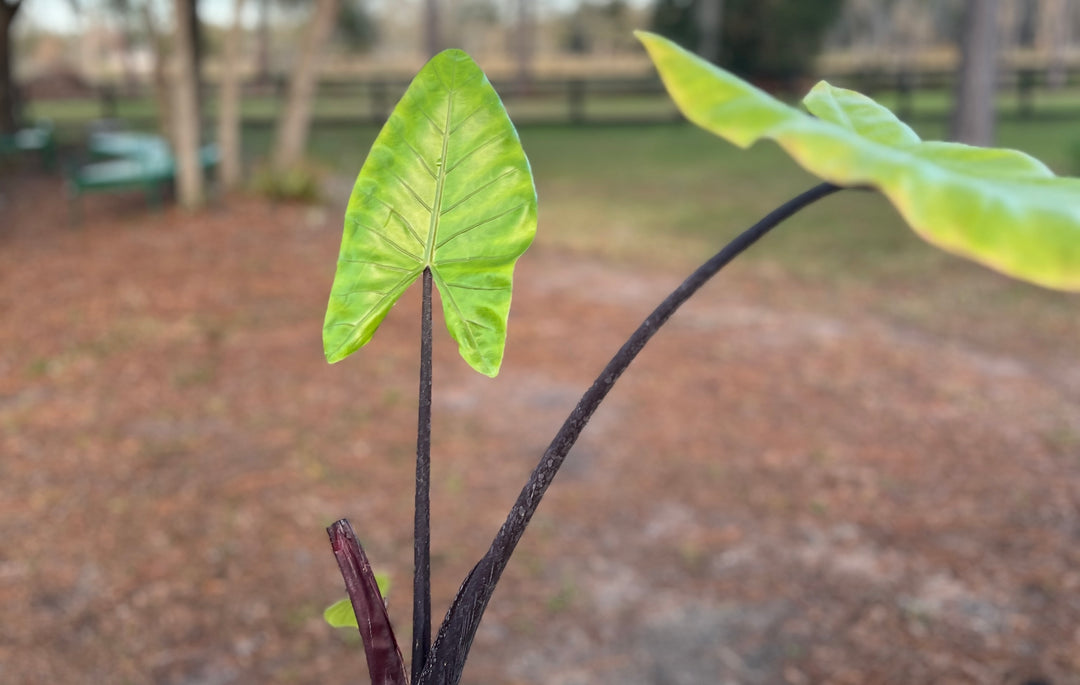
<point x="777" y="492"/>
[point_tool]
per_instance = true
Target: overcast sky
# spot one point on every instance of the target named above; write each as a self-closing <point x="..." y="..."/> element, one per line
<point x="56" y="15"/>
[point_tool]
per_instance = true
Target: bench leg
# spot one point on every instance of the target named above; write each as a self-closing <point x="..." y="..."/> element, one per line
<point x="75" y="208"/>
<point x="153" y="197"/>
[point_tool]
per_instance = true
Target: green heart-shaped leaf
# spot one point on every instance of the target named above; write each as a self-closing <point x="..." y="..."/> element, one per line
<point x="1001" y="208"/>
<point x="446" y="186"/>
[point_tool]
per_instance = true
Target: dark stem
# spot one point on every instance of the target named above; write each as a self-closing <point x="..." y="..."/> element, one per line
<point x="421" y="641"/>
<point x="385" y="665"/>
<point x="447" y="660"/>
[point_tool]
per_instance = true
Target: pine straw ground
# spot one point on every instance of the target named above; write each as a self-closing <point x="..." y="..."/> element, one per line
<point x="788" y="487"/>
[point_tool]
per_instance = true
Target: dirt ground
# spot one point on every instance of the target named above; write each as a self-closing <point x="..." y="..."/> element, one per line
<point x="787" y="487"/>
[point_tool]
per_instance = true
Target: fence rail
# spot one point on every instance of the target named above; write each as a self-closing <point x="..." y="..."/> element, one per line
<point x="598" y="100"/>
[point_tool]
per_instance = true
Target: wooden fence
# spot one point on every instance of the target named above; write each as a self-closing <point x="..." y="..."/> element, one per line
<point x="610" y="100"/>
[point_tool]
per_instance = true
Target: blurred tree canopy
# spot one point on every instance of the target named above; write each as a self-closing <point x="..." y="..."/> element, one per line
<point x="355" y="26"/>
<point x="599" y="26"/>
<point x="763" y="40"/>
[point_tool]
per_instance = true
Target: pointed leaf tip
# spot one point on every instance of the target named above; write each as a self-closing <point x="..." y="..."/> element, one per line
<point x="446" y="185"/>
<point x="1001" y="208"/>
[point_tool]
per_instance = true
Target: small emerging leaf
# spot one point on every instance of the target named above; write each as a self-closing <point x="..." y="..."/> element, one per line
<point x="1001" y="208"/>
<point x="340" y="614"/>
<point x="446" y="186"/>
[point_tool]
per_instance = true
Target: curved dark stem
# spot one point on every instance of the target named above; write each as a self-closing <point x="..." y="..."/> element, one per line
<point x="421" y="641"/>
<point x="447" y="659"/>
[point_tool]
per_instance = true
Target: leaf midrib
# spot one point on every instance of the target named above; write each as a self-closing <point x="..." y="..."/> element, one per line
<point x="440" y="181"/>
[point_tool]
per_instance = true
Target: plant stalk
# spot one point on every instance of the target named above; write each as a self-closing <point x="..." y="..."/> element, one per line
<point x="421" y="637"/>
<point x="385" y="665"/>
<point x="452" y="644"/>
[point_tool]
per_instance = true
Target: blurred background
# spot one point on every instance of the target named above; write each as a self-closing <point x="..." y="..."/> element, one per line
<point x="264" y="71"/>
<point x="851" y="459"/>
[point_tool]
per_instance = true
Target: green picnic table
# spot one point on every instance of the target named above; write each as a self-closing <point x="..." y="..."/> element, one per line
<point x="130" y="161"/>
<point x="35" y="138"/>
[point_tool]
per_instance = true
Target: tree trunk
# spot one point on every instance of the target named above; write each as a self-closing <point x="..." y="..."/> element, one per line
<point x="9" y="115"/>
<point x="229" y="108"/>
<point x="186" y="121"/>
<point x="523" y="45"/>
<point x="264" y="42"/>
<point x="291" y="142"/>
<point x="123" y="38"/>
<point x="1053" y="38"/>
<point x="710" y="13"/>
<point x="976" y="82"/>
<point x="432" y="37"/>
<point x="194" y="28"/>
<point x="162" y="93"/>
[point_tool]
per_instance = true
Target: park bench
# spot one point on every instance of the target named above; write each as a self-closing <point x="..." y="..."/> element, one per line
<point x="130" y="161"/>
<point x="38" y="139"/>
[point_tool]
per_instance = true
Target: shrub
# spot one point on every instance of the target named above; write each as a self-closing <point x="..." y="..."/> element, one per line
<point x="770" y="41"/>
<point x="300" y="183"/>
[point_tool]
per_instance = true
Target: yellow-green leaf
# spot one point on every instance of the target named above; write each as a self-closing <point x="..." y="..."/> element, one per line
<point x="446" y="186"/>
<point x="340" y="614"/>
<point x="1002" y="208"/>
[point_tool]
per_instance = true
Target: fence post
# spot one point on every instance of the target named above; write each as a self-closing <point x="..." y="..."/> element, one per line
<point x="377" y="95"/>
<point x="1025" y="92"/>
<point x="107" y="96"/>
<point x="904" y="95"/>
<point x="575" y="94"/>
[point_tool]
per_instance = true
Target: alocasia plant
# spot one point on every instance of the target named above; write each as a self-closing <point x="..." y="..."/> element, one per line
<point x="446" y="193"/>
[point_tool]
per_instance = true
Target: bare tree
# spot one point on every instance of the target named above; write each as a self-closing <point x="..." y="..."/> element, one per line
<point x="292" y="132"/>
<point x="523" y="34"/>
<point x="229" y="108"/>
<point x="432" y="33"/>
<point x="976" y="81"/>
<point x="264" y="42"/>
<point x="187" y="129"/>
<point x="1052" y="38"/>
<point x="159" y="70"/>
<point x="709" y="15"/>
<point x="194" y="28"/>
<point x="8" y="100"/>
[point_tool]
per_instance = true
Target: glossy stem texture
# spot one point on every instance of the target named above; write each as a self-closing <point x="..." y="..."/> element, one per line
<point x="452" y="644"/>
<point x="385" y="665"/>
<point x="421" y="641"/>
